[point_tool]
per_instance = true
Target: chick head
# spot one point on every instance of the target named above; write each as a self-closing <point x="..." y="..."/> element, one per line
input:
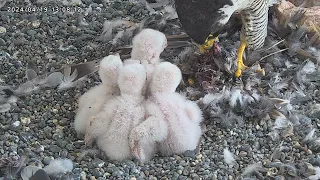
<point x="109" y="69"/>
<point x="148" y="45"/>
<point x="132" y="78"/>
<point x="166" y="78"/>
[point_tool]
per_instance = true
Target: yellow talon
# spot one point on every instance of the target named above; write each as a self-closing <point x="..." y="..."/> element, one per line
<point x="240" y="64"/>
<point x="238" y="73"/>
<point x="208" y="43"/>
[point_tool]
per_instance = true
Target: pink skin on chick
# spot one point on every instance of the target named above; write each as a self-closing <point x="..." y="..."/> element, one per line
<point x="111" y="127"/>
<point x="172" y="121"/>
<point x="92" y="101"/>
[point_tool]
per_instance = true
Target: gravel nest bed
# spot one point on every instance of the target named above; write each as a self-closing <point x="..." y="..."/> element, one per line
<point x="41" y="125"/>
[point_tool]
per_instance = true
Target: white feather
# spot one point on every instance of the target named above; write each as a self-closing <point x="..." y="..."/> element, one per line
<point x="279" y="86"/>
<point x="228" y="157"/>
<point x="310" y="135"/>
<point x="68" y="78"/>
<point x="309" y="68"/>
<point x="235" y="97"/>
<point x="108" y="27"/>
<point x="57" y="166"/>
<point x="256" y="95"/>
<point x="209" y="98"/>
<point x="281" y="123"/>
<point x="251" y="168"/>
<point x="172" y="13"/>
<point x="317" y="175"/>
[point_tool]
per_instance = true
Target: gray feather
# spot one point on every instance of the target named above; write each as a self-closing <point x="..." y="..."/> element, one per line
<point x="53" y="80"/>
<point x="32" y="65"/>
<point x="31" y="74"/>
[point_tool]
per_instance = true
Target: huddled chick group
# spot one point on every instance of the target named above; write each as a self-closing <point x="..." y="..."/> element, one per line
<point x="136" y="111"/>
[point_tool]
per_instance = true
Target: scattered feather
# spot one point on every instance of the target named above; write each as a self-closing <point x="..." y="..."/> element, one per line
<point x="12" y="167"/>
<point x="310" y="135"/>
<point x="317" y="174"/>
<point x="236" y="97"/>
<point x="170" y="12"/>
<point x="281" y="123"/>
<point x="31" y="74"/>
<point x="228" y="157"/>
<point x="108" y="27"/>
<point x="252" y="168"/>
<point x="27" y="88"/>
<point x="308" y="68"/>
<point x="150" y="9"/>
<point x="57" y="166"/>
<point x="32" y="65"/>
<point x="53" y="80"/>
<point x="210" y="98"/>
<point x="28" y="172"/>
<point x="68" y="78"/>
<point x="277" y="152"/>
<point x="7" y="98"/>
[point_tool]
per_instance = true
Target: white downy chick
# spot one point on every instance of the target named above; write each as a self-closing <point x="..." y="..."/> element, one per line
<point x="172" y="121"/>
<point x="149" y="70"/>
<point x="92" y="101"/>
<point x="148" y="45"/>
<point x="146" y="49"/>
<point x="112" y="126"/>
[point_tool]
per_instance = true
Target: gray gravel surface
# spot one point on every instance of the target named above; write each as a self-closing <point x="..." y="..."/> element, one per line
<point x="41" y="125"/>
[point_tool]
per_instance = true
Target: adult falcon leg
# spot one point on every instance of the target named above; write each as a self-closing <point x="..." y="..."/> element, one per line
<point x="240" y="64"/>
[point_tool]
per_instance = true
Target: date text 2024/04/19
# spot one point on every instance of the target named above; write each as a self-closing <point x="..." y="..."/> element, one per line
<point x="40" y="9"/>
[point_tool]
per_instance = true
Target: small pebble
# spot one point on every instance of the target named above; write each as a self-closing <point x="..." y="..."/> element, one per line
<point x="2" y="30"/>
